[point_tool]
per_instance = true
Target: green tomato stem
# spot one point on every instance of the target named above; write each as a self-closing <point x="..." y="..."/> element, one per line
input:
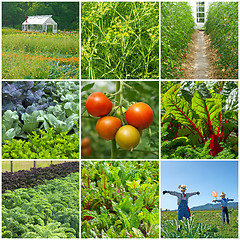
<point x="114" y="150"/>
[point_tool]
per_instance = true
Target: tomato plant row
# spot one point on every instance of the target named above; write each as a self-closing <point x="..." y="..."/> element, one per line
<point x="222" y="26"/>
<point x="177" y="26"/>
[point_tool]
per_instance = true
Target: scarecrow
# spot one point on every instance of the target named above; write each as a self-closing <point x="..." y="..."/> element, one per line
<point x="182" y="201"/>
<point x="224" y="202"/>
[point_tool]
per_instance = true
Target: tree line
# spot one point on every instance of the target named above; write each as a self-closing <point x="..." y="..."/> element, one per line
<point x="66" y="14"/>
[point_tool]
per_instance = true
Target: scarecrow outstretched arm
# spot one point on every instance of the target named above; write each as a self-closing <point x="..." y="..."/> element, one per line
<point x="174" y="193"/>
<point x="192" y="194"/>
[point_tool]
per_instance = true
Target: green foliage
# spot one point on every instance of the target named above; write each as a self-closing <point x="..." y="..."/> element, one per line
<point x="129" y="93"/>
<point x="43" y="211"/>
<point x="186" y="229"/>
<point x="120" y="40"/>
<point x="63" y="117"/>
<point x="46" y="145"/>
<point x="207" y="224"/>
<point x="176" y="30"/>
<point x="40" y="56"/>
<point x="61" y="45"/>
<point x="120" y="199"/>
<point x="181" y="150"/>
<point x="196" y="116"/>
<point x="6" y="31"/>
<point x="66" y="14"/>
<point x="222" y="26"/>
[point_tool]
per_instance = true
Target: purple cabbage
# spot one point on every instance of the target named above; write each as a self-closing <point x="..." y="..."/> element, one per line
<point x="26" y="96"/>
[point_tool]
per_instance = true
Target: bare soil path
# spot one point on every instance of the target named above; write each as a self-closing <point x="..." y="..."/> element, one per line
<point x="200" y="60"/>
<point x="201" y="63"/>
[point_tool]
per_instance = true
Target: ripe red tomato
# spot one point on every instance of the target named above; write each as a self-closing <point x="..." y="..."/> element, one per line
<point x="98" y="104"/>
<point x="139" y="115"/>
<point x="85" y="142"/>
<point x="127" y="137"/>
<point x="107" y="127"/>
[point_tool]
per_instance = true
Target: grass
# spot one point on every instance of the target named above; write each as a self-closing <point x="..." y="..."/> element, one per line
<point x="39" y="55"/>
<point x="212" y="218"/>
<point x="120" y="40"/>
<point x="25" y="165"/>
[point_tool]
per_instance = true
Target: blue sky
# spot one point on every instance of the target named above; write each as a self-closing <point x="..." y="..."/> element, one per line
<point x="202" y="176"/>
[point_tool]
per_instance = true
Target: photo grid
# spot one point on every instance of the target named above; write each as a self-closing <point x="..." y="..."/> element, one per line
<point x="154" y="101"/>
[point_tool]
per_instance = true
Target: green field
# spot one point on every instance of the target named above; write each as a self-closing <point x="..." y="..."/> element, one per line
<point x="120" y="40"/>
<point x="211" y="219"/>
<point x="25" y="165"/>
<point x="40" y="55"/>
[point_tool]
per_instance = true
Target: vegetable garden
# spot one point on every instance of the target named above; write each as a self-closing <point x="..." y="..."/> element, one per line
<point x="40" y="55"/>
<point x="41" y="202"/>
<point x="222" y="26"/>
<point x="120" y="199"/>
<point x="203" y="224"/>
<point x="40" y="120"/>
<point x="120" y="40"/>
<point x="123" y="122"/>
<point x="177" y="27"/>
<point x="199" y="120"/>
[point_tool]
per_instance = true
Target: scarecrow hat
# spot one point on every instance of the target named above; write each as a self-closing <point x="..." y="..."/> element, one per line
<point x="182" y="187"/>
<point x="222" y="194"/>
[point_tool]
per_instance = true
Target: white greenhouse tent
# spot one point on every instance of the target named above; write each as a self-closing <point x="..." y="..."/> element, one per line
<point x="43" y="23"/>
<point x="200" y="12"/>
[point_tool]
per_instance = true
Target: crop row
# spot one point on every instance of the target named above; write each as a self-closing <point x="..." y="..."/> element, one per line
<point x="120" y="199"/>
<point x="222" y="26"/>
<point x="177" y="26"/>
<point x="53" y="44"/>
<point x="45" y="211"/>
<point x="36" y="112"/>
<point x="36" y="176"/>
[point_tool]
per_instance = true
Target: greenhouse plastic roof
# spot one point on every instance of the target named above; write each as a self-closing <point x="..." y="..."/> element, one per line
<point x="39" y="20"/>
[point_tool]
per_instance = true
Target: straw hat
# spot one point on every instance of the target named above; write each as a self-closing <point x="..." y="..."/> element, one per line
<point x="182" y="187"/>
<point x="222" y="194"/>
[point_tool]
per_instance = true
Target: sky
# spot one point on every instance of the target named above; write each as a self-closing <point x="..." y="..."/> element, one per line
<point x="202" y="176"/>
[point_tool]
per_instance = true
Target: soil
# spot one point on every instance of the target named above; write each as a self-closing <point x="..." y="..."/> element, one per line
<point x="200" y="62"/>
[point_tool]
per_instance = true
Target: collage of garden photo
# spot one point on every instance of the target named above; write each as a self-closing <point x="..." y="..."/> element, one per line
<point x="153" y="99"/>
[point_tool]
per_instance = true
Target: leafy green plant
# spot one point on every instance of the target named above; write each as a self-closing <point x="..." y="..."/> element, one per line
<point x="176" y="30"/>
<point x="204" y="224"/>
<point x="222" y="26"/>
<point x="29" y="106"/>
<point x="186" y="228"/>
<point x="195" y="120"/>
<point x="46" y="145"/>
<point x="45" y="211"/>
<point x="120" y="40"/>
<point x="120" y="199"/>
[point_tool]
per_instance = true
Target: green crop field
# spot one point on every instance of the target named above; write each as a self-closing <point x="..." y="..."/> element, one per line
<point x="40" y="55"/>
<point x="207" y="224"/>
<point x="120" y="40"/>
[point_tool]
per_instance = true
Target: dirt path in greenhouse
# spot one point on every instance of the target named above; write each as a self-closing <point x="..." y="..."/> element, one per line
<point x="199" y="63"/>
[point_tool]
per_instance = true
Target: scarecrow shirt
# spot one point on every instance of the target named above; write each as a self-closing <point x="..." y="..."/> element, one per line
<point x="223" y="201"/>
<point x="181" y="196"/>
